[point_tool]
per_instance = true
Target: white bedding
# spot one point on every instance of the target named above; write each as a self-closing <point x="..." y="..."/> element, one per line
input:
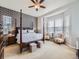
<point x="28" y="37"/>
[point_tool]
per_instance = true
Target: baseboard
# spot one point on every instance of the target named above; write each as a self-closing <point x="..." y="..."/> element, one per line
<point x="69" y="45"/>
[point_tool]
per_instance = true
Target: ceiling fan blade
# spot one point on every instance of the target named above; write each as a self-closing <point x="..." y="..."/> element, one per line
<point x="41" y="1"/>
<point x="42" y="6"/>
<point x="30" y="6"/>
<point x="33" y="1"/>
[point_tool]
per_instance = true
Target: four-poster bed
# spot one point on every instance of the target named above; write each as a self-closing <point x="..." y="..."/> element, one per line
<point x="25" y="37"/>
<point x="21" y="31"/>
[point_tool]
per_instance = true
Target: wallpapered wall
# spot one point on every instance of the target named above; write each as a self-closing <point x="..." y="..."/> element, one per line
<point x="28" y="21"/>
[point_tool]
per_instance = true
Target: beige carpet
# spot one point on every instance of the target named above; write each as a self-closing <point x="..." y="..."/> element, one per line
<point x="49" y="50"/>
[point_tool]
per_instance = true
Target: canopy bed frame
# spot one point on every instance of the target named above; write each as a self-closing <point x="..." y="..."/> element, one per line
<point x="21" y="28"/>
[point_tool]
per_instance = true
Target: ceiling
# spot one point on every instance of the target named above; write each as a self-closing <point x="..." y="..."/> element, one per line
<point x="23" y="4"/>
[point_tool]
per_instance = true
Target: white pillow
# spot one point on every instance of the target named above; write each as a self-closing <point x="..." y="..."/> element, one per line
<point x="30" y="31"/>
<point x="19" y="30"/>
<point x="23" y="31"/>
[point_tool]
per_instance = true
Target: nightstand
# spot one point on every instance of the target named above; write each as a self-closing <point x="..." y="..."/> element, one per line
<point x="11" y="39"/>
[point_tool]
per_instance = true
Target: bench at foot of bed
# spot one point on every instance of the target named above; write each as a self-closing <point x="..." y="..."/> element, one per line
<point x="35" y="45"/>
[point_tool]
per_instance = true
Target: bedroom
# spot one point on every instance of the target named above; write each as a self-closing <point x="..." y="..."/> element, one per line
<point x="48" y="27"/>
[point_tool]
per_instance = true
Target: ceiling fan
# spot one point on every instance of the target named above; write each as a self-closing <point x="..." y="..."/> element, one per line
<point x="37" y="4"/>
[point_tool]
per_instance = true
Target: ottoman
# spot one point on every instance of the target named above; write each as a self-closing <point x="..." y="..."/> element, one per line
<point x="40" y="43"/>
<point x="33" y="47"/>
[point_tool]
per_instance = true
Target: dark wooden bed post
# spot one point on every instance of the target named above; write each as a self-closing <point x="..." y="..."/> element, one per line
<point x="21" y="31"/>
<point x="43" y="31"/>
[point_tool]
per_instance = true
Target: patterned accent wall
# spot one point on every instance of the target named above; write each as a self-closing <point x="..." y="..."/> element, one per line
<point x="28" y="21"/>
<point x="7" y="12"/>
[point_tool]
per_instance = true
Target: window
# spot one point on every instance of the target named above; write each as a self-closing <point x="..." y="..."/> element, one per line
<point x="51" y="26"/>
<point x="60" y="24"/>
<point x="67" y="26"/>
<point x="7" y="23"/>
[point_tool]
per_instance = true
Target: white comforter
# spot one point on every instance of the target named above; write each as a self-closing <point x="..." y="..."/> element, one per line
<point x="28" y="37"/>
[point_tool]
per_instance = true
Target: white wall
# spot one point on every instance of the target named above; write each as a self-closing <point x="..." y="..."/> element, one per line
<point x="40" y="24"/>
<point x="73" y="10"/>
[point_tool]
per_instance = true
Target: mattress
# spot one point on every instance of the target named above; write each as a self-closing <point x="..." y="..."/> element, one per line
<point x="28" y="37"/>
